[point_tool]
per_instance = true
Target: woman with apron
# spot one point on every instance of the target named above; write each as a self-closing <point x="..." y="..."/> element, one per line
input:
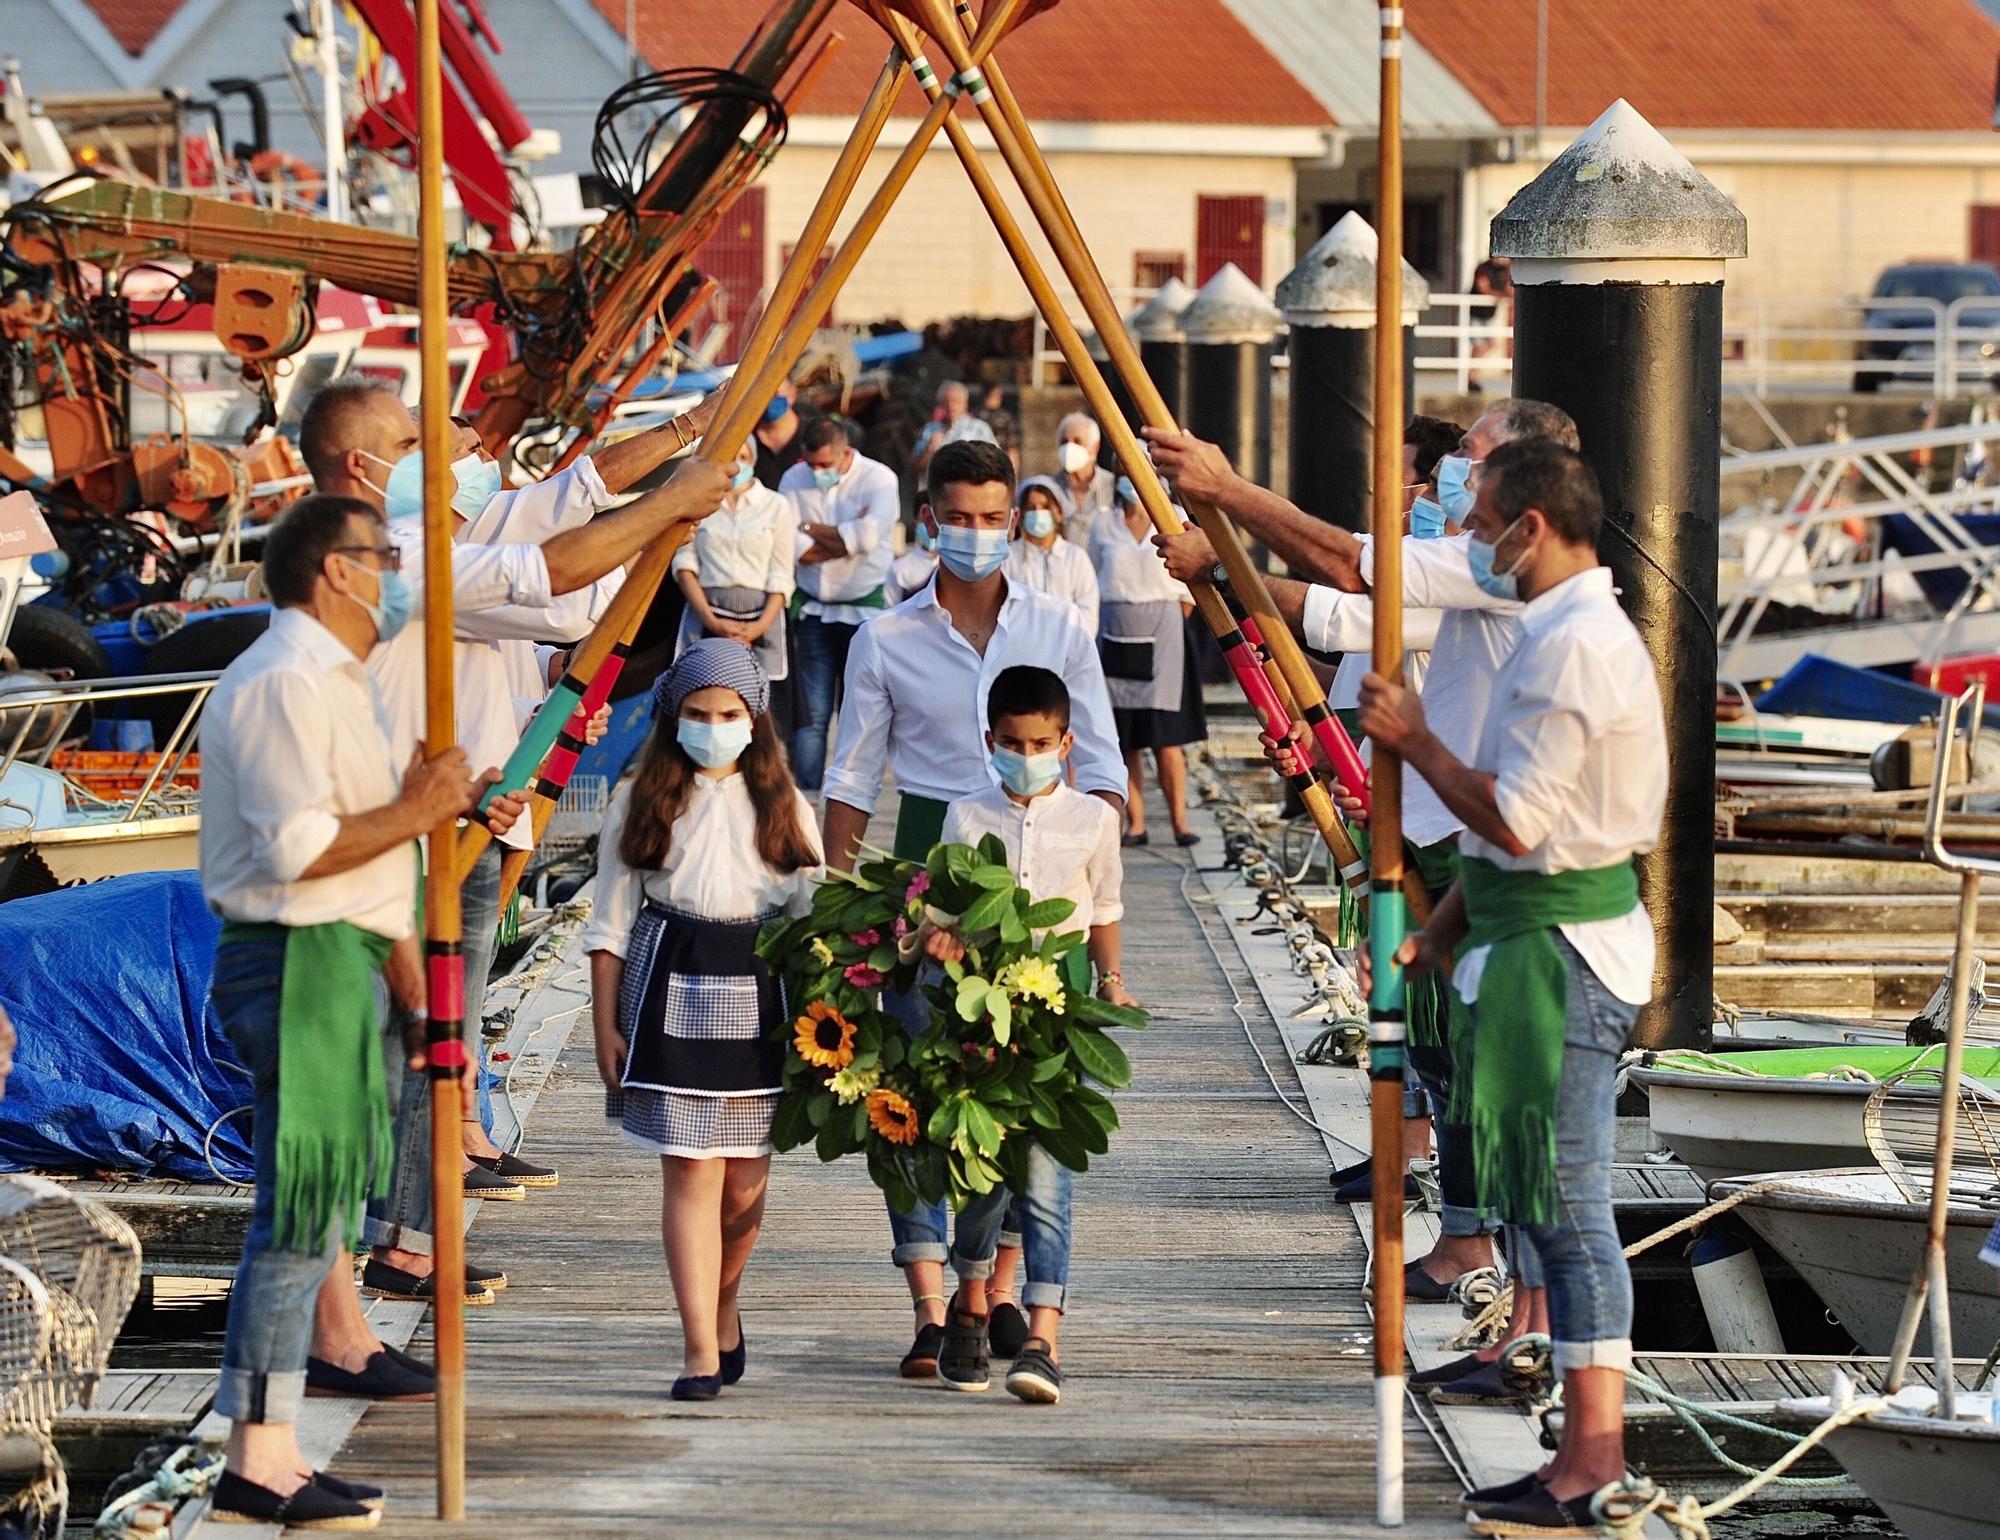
<point x="709" y="840"/>
<point x="1148" y="654"/>
<point x="737" y="574"/>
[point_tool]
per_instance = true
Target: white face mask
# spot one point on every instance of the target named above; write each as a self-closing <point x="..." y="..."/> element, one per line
<point x="1073" y="458"/>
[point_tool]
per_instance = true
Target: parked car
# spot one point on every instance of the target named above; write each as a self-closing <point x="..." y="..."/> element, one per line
<point x="1907" y="298"/>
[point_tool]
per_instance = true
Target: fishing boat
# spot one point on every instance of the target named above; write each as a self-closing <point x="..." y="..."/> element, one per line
<point x="1782" y="1109"/>
<point x="1935" y="1479"/>
<point x="1854" y="1236"/>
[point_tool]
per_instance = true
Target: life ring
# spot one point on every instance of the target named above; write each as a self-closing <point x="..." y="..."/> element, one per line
<point x="308" y="180"/>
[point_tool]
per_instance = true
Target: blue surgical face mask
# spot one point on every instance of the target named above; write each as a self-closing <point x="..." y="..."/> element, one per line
<point x="1027" y="775"/>
<point x="972" y="554"/>
<point x="477" y="482"/>
<point x="1455" y="496"/>
<point x="1426" y="519"/>
<point x="713" y="745"/>
<point x="392" y="606"/>
<point x="925" y="539"/>
<point x="826" y="480"/>
<point x="1038" y="522"/>
<point x="777" y="408"/>
<point x="1498" y="585"/>
<point x="745" y="474"/>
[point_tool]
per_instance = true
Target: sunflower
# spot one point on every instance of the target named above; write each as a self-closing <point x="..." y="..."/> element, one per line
<point x="891" y="1116"/>
<point x="824" y="1037"/>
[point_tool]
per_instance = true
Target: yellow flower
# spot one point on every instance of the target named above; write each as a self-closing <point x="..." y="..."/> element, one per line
<point x="851" y="1084"/>
<point x="822" y="952"/>
<point x="891" y="1116"/>
<point x="824" y="1037"/>
<point x="1033" y="978"/>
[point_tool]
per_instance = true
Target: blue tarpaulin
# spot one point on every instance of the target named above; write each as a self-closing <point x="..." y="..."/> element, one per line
<point x="122" y="1065"/>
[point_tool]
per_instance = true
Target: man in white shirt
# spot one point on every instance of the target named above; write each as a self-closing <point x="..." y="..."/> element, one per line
<point x="360" y="441"/>
<point x="1554" y="951"/>
<point x="917" y="682"/>
<point x="1088" y="488"/>
<point x="308" y="853"/>
<point x="848" y="506"/>
<point x="951" y="423"/>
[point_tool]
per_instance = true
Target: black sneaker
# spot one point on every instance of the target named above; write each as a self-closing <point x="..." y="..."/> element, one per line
<point x="382" y="1378"/>
<point x="354" y="1491"/>
<point x="1503" y="1492"/>
<point x="1035" y="1377"/>
<point x="312" y="1506"/>
<point x="962" y="1361"/>
<point x="1536" y="1512"/>
<point x="1007" y="1329"/>
<point x="381" y="1281"/>
<point x="523" y="1173"/>
<point x="921" y="1362"/>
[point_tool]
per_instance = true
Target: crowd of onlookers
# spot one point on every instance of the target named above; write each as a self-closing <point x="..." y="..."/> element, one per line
<point x="811" y="543"/>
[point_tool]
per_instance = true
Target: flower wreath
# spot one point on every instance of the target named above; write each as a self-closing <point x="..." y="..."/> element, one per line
<point x="1015" y="1036"/>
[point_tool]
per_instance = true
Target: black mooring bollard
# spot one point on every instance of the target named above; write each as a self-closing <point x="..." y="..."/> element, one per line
<point x="1618" y="251"/>
<point x="1329" y="303"/>
<point x="1230" y="326"/>
<point x="1163" y="345"/>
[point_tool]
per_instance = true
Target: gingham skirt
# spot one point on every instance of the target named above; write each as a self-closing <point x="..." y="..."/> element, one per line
<point x="698" y="1010"/>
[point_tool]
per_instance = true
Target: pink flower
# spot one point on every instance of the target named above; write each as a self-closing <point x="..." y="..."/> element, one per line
<point x="901" y="928"/>
<point x="861" y="976"/>
<point x="919" y="886"/>
<point x="870" y="938"/>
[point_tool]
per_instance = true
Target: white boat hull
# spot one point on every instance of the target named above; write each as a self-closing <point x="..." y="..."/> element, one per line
<point x="1722" y="1126"/>
<point x="1935" y="1480"/>
<point x="90" y="852"/>
<point x="1857" y="1242"/>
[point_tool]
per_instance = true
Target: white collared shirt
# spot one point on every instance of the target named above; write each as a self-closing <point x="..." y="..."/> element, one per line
<point x="750" y="543"/>
<point x="1082" y="510"/>
<point x="909" y="572"/>
<point x="864" y="505"/>
<point x="485" y="578"/>
<point x="1061" y="844"/>
<point x="530" y="514"/>
<point x="1475" y="633"/>
<point x="1062" y="570"/>
<point x="712" y="870"/>
<point x="292" y="740"/>
<point x="1129" y="567"/>
<point x="1345" y="623"/>
<point x="915" y="699"/>
<point x="1578" y="744"/>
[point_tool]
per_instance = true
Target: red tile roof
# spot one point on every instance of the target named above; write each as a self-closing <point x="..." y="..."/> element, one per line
<point x="133" y="24"/>
<point x="1871" y="65"/>
<point x="1085" y="61"/>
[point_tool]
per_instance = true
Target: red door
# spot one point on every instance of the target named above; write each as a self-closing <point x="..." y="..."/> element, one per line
<point x="1228" y="229"/>
<point x="1985" y="242"/>
<point x="734" y="258"/>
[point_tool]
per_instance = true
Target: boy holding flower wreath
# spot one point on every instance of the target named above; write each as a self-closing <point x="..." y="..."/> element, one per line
<point x="1061" y="844"/>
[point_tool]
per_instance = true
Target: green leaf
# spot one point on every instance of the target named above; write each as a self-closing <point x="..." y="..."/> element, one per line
<point x="971" y="1001"/>
<point x="954" y="970"/>
<point x="986" y="911"/>
<point x="861" y="1122"/>
<point x="1013" y="929"/>
<point x="1099" y="1107"/>
<point x="1083" y="1128"/>
<point x="991" y="877"/>
<point x="1100" y="1058"/>
<point x="1000" y="1010"/>
<point x="959" y="861"/>
<point x="1050" y="911"/>
<point x="792" y="1126"/>
<point x="883" y="958"/>
<point x="832" y="1142"/>
<point x="1048" y="1067"/>
<point x="993" y="850"/>
<point x="944" y="1117"/>
<point x="817" y="1107"/>
<point x="895" y="1049"/>
<point x="979" y="1124"/>
<point x="1091" y="1011"/>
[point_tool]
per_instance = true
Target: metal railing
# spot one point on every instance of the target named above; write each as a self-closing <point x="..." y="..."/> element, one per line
<point x="52" y="710"/>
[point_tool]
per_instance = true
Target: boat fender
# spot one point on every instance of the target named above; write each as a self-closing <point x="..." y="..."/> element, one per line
<point x="1733" y="1296"/>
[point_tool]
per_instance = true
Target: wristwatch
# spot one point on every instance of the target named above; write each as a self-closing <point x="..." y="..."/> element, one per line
<point x="1218" y="575"/>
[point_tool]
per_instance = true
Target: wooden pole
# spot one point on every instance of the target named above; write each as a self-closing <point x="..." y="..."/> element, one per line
<point x="1265" y="693"/>
<point x="779" y="341"/>
<point x="1387" y="920"/>
<point x="445" y="962"/>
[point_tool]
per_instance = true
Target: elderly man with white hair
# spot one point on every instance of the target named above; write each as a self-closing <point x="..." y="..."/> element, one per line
<point x="951" y="423"/>
<point x="1087" y="487"/>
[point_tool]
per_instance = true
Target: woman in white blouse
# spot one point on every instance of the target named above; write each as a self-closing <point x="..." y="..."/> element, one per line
<point x="737" y="572"/>
<point x="1040" y="558"/>
<point x="1149" y="661"/>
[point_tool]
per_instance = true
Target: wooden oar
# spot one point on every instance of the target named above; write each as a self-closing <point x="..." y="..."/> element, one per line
<point x="1244" y="662"/>
<point x="1387" y="920"/>
<point x="444" y="960"/>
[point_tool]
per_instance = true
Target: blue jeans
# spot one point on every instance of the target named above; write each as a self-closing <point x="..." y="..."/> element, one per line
<point x="820" y="654"/>
<point x="1042" y="1213"/>
<point x="919" y="1233"/>
<point x="1590" y="1286"/>
<point x="271" y="1306"/>
<point x="402" y="1220"/>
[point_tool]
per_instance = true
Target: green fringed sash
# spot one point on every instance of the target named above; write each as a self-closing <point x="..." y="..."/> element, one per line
<point x="1523" y="1002"/>
<point x="334" y="1141"/>
<point x="1425" y="997"/>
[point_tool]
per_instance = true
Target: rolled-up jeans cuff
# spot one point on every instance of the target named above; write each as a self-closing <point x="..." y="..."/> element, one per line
<point x="1608" y="1353"/>
<point x="1010" y="1240"/>
<point x="251" y="1395"/>
<point x="1045" y="1296"/>
<point x="392" y="1237"/>
<point x="920" y="1251"/>
<point x="972" y="1269"/>
<point x="1460" y="1222"/>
